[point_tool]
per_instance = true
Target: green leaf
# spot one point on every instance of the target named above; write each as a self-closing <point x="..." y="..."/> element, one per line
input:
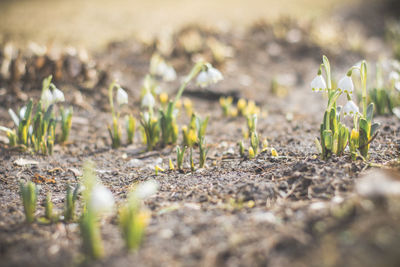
<point x="370" y="112"/>
<point x="374" y="127"/>
<point x="328" y="139"/>
<point x="318" y="145"/>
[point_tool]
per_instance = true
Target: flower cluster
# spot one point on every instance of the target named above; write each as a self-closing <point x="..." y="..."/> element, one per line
<point x="36" y="128"/>
<point x="334" y="135"/>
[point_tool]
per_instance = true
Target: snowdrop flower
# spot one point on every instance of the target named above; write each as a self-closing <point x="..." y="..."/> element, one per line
<point x="148" y="100"/>
<point x="101" y="199"/>
<point x="146" y="189"/>
<point x="346" y="84"/>
<point x="146" y="116"/>
<point x="318" y="83"/>
<point x="169" y="74"/>
<point x="350" y="108"/>
<point x="209" y="76"/>
<point x="397" y="85"/>
<point x="57" y="96"/>
<point x="122" y="96"/>
<point x="46" y="98"/>
<point x="394" y="76"/>
<point x="22" y="112"/>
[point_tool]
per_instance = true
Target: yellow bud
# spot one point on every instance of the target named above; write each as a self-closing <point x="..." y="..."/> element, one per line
<point x="264" y="144"/>
<point x="192" y="137"/>
<point x="178" y="104"/>
<point x="222" y="101"/>
<point x="143" y="219"/>
<point x="354" y="134"/>
<point x="163" y="98"/>
<point x="251" y="204"/>
<point x="157" y="169"/>
<point x="187" y="103"/>
<point x="274" y="153"/>
<point x="251" y="153"/>
<point x="234" y="112"/>
<point x="171" y="165"/>
<point x="241" y="104"/>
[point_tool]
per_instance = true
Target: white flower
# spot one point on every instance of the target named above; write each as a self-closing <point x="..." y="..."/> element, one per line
<point x="397" y="85"/>
<point x="214" y="75"/>
<point x="209" y="76"/>
<point x="146" y="189"/>
<point x="22" y="112"/>
<point x="346" y="84"/>
<point x="318" y="83"/>
<point x="396" y="111"/>
<point x="146" y="116"/>
<point x="160" y="68"/>
<point x="122" y="96"/>
<point x="148" y="100"/>
<point x="394" y="76"/>
<point x="58" y="96"/>
<point x="101" y="199"/>
<point x="350" y="108"/>
<point x="46" y="98"/>
<point x="169" y="74"/>
<point x="202" y="79"/>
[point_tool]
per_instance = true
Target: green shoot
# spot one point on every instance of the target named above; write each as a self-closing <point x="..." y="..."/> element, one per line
<point x="28" y="194"/>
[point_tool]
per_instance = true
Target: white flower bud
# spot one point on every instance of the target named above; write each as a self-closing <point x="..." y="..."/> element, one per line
<point x="122" y="97"/>
<point x="148" y="100"/>
<point x="146" y="189"/>
<point x="101" y="199"/>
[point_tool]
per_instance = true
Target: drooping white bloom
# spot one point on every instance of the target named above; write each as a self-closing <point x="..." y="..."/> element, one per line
<point x="58" y="96"/>
<point x="350" y="108"/>
<point x="101" y="199"/>
<point x="394" y="76"/>
<point x="209" y="76"/>
<point x="318" y="83"/>
<point x="46" y="98"/>
<point x="146" y="189"/>
<point x="169" y="74"/>
<point x="146" y="116"/>
<point x="122" y="97"/>
<point x="22" y="112"/>
<point x="214" y="75"/>
<point x="346" y="84"/>
<point x="397" y="85"/>
<point x="159" y="67"/>
<point x="202" y="79"/>
<point x="148" y="100"/>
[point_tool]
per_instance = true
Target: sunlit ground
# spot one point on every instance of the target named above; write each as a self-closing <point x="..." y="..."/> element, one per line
<point x="95" y="22"/>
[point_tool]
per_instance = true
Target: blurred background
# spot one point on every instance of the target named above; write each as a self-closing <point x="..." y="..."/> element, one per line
<point x="94" y="23"/>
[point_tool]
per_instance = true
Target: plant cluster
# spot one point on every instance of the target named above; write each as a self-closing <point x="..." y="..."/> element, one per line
<point x="334" y="134"/>
<point x="35" y="128"/>
<point x="254" y="140"/>
<point x="386" y="93"/>
<point x="243" y="107"/>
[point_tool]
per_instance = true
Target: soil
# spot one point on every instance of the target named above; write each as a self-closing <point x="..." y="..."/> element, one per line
<point x="291" y="210"/>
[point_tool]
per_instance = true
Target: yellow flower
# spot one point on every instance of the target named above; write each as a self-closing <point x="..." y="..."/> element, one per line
<point x="251" y="153"/>
<point x="241" y="104"/>
<point x="273" y="152"/>
<point x="171" y="165"/>
<point x="163" y="98"/>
